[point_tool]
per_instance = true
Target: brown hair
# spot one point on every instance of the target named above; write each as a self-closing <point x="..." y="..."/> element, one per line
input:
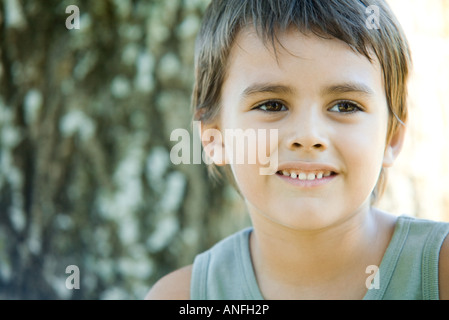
<point x="345" y="20"/>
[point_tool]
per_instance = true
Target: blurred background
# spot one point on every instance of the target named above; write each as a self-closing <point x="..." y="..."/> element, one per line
<point x="85" y="121"/>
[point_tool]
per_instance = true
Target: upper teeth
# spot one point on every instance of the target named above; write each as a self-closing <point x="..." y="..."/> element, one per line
<point x="306" y="175"/>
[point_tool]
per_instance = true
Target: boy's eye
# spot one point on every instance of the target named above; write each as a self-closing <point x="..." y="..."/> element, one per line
<point x="345" y="107"/>
<point x="271" y="106"/>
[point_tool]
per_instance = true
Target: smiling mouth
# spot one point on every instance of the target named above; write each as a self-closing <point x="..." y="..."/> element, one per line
<point x="309" y="175"/>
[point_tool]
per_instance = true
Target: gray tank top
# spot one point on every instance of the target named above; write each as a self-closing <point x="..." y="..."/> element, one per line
<point x="408" y="271"/>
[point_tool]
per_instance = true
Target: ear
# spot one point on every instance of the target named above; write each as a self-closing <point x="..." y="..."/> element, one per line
<point x="212" y="141"/>
<point x="394" y="147"/>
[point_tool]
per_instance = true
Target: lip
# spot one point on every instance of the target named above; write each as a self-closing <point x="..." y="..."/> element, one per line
<point x="307" y="167"/>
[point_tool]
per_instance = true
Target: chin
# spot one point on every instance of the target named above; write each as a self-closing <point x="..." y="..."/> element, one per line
<point x="309" y="221"/>
<point x="304" y="217"/>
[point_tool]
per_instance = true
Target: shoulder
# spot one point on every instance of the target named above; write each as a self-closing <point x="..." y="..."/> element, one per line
<point x="174" y="286"/>
<point x="439" y="234"/>
<point x="443" y="268"/>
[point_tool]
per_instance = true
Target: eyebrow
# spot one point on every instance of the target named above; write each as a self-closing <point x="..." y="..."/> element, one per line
<point x="348" y="87"/>
<point x="345" y="87"/>
<point x="266" y="88"/>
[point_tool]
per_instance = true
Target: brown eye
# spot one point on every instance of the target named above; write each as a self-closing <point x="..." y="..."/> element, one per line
<point x="272" y="106"/>
<point x="345" y="107"/>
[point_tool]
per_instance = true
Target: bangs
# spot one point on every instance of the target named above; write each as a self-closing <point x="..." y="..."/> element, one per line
<point x="343" y="20"/>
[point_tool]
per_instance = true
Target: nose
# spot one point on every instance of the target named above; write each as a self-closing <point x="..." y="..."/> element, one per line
<point x="307" y="132"/>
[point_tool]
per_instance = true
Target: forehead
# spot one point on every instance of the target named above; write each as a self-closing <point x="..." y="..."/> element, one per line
<point x="304" y="61"/>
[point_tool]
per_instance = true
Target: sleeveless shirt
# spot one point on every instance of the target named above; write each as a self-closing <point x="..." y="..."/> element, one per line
<point x="408" y="270"/>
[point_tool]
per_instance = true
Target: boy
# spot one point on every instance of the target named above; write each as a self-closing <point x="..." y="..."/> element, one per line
<point x="331" y="79"/>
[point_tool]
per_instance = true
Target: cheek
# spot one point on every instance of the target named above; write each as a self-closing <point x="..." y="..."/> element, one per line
<point x="250" y="183"/>
<point x="364" y="156"/>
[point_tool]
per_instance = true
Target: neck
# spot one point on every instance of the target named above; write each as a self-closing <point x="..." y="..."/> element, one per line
<point x="288" y="258"/>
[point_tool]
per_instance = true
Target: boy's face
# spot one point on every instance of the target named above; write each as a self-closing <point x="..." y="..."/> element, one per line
<point x="329" y="107"/>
